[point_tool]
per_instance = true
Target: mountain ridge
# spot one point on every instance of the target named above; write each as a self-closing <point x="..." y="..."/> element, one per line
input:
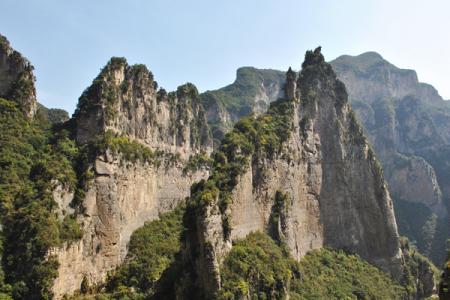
<point x="73" y="193"/>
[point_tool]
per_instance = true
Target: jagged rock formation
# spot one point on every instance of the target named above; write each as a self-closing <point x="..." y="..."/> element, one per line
<point x="317" y="179"/>
<point x="124" y="105"/>
<point x="251" y="92"/>
<point x="125" y="99"/>
<point x="408" y="124"/>
<point x="16" y="78"/>
<point x="303" y="172"/>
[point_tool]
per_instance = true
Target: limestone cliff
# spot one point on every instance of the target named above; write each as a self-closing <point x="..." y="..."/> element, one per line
<point x="408" y="124"/>
<point x="311" y="150"/>
<point x="16" y="78"/>
<point x="121" y="198"/>
<point x="142" y="141"/>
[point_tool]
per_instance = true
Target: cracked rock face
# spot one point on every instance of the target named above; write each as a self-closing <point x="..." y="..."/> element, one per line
<point x="122" y="197"/>
<point x="336" y="194"/>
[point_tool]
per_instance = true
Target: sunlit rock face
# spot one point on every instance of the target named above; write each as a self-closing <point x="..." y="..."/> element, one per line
<point x="122" y="195"/>
<point x="335" y="194"/>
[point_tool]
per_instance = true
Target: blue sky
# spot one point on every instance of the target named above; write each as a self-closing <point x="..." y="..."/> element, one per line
<point x="205" y="41"/>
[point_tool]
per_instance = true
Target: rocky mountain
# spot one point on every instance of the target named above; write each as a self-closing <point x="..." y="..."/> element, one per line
<point x="76" y="191"/>
<point x="148" y="139"/>
<point x="125" y="99"/>
<point x="124" y="197"/>
<point x="304" y="172"/>
<point x="17" y="84"/>
<point x="408" y="124"/>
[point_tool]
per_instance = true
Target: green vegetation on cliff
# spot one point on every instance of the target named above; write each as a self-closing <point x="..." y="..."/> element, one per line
<point x="103" y="90"/>
<point x="419" y="274"/>
<point x="151" y="254"/>
<point x="258" y="268"/>
<point x="53" y="115"/>
<point x="444" y="284"/>
<point x="334" y="274"/>
<point x="251" y="138"/>
<point x="151" y="251"/>
<point x="34" y="158"/>
<point x="121" y="145"/>
<point x="237" y="100"/>
<point x="198" y="161"/>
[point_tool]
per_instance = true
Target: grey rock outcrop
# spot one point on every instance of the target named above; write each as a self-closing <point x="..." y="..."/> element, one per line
<point x="290" y="87"/>
<point x="121" y="198"/>
<point x="405" y="121"/>
<point x="336" y="194"/>
<point x="412" y="179"/>
<point x="17" y="79"/>
<point x="123" y="100"/>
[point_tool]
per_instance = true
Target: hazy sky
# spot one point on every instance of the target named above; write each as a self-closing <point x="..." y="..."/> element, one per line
<point x="205" y="41"/>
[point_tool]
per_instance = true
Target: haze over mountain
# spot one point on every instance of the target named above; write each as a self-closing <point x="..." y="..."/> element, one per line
<point x="408" y="123"/>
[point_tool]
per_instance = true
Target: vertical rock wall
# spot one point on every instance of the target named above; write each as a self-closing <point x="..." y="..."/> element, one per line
<point x="123" y="100"/>
<point x="335" y="192"/>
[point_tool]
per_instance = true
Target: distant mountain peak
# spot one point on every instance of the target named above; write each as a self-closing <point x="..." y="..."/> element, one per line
<point x="371" y="54"/>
